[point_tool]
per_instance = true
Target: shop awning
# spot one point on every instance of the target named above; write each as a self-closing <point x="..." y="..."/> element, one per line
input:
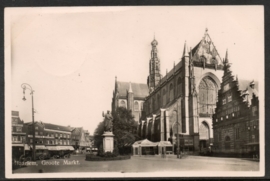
<point x="53" y="148"/>
<point x="57" y="148"/>
<point x="17" y="145"/>
<point x="164" y="143"/>
<point x="254" y="143"/>
<point x="66" y="148"/>
<point x="40" y="147"/>
<point x="71" y="148"/>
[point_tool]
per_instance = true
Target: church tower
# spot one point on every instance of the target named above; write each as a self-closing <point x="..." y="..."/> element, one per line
<point x="154" y="68"/>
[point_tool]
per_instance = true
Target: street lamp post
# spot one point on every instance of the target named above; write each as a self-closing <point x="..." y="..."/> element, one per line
<point x="177" y="137"/>
<point x="24" y="87"/>
<point x="177" y="149"/>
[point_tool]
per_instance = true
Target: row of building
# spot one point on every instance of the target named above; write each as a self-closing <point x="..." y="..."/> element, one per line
<point x="48" y="136"/>
<point x="199" y="99"/>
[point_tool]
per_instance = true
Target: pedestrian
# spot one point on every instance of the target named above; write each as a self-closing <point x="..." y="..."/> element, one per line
<point x="163" y="152"/>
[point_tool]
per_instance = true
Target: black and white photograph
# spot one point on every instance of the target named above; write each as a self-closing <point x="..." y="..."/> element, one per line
<point x="134" y="91"/>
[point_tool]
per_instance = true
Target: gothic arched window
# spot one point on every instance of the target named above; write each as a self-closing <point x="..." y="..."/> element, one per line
<point x="164" y="97"/>
<point x="136" y="106"/>
<point x="179" y="85"/>
<point x="154" y="103"/>
<point x="150" y="106"/>
<point x="123" y="104"/>
<point x="204" y="131"/>
<point x="207" y="96"/>
<point x="171" y="92"/>
<point x="158" y="101"/>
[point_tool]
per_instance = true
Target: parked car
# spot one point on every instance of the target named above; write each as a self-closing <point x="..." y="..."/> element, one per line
<point x="60" y="154"/>
<point x="40" y="155"/>
<point x="206" y="152"/>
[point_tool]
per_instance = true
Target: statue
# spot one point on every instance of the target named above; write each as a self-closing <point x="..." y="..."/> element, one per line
<point x="107" y="121"/>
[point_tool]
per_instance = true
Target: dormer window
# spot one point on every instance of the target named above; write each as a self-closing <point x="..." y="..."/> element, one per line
<point x="254" y="111"/>
<point x="229" y="97"/>
<point x="224" y="101"/>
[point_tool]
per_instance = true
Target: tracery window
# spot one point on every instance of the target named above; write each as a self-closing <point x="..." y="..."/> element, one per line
<point x="179" y="87"/>
<point x="207" y="96"/>
<point x="171" y="92"/>
<point x="158" y="101"/>
<point x="122" y="104"/>
<point x="164" y="96"/>
<point x="154" y="103"/>
<point x="136" y="106"/>
<point x="204" y="131"/>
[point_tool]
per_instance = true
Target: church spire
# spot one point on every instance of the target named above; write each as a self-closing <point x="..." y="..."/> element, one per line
<point x="116" y="85"/>
<point x="206" y="31"/>
<point x="154" y="67"/>
<point x="130" y="88"/>
<point x="226" y="57"/>
<point x="185" y="52"/>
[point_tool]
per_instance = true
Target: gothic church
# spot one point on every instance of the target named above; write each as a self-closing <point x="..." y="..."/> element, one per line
<point x="180" y="102"/>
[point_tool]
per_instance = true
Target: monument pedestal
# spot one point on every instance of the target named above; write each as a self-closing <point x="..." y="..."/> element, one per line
<point x="108" y="141"/>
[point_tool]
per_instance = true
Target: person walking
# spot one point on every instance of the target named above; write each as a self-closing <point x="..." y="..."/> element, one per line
<point x="163" y="152"/>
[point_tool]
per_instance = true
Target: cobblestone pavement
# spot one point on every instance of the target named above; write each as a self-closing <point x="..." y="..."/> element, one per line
<point x="142" y="164"/>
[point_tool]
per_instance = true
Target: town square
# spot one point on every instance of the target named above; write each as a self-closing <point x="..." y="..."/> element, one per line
<point x="145" y="164"/>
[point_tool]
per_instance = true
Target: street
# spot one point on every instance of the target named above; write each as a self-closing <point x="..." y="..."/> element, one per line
<point x="142" y="164"/>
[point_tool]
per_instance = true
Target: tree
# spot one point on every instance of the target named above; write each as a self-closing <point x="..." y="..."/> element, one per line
<point x="124" y="127"/>
<point x="98" y="139"/>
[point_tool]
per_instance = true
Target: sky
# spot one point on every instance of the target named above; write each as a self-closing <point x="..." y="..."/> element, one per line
<point x="71" y="56"/>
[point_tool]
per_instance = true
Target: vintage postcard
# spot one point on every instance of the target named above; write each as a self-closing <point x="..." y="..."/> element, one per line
<point x="156" y="91"/>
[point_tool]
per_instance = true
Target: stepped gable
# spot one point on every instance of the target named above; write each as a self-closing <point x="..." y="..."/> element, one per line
<point x="206" y="48"/>
<point x="139" y="90"/>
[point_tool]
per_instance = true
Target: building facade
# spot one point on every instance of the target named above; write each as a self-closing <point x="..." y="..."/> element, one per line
<point x="182" y="101"/>
<point x="131" y="96"/>
<point x="236" y="119"/>
<point x="80" y="139"/>
<point x="18" y="136"/>
<point x="50" y="136"/>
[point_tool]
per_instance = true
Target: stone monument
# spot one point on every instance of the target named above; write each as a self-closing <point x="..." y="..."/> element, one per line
<point x="108" y="135"/>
